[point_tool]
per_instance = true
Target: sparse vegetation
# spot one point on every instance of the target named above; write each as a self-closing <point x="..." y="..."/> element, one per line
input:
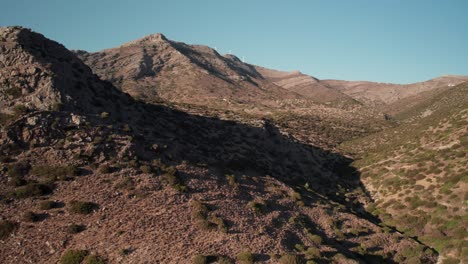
<point x="199" y="259"/>
<point x="47" y="205"/>
<point x="73" y="256"/>
<point x="55" y="173"/>
<point x="30" y="216"/>
<point x="93" y="259"/>
<point x="245" y="257"/>
<point x="257" y="207"/>
<point x="80" y="207"/>
<point x="75" y="228"/>
<point x="31" y="190"/>
<point x="104" y="169"/>
<point x="290" y="259"/>
<point x="6" y="228"/>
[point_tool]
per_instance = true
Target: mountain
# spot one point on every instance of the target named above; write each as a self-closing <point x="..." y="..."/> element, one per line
<point x="386" y="93"/>
<point x="155" y="67"/>
<point x="89" y="173"/>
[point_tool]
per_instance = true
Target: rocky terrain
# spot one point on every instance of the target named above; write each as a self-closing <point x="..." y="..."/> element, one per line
<point x="417" y="172"/>
<point x="155" y="159"/>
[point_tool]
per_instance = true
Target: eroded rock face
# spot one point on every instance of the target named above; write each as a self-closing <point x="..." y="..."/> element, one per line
<point x="39" y="74"/>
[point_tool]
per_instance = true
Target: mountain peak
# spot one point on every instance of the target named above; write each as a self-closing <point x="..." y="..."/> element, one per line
<point x="149" y="39"/>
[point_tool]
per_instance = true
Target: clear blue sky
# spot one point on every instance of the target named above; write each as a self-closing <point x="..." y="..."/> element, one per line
<point x="388" y="40"/>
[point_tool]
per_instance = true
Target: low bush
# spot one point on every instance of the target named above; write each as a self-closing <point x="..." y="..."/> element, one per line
<point x="73" y="256"/>
<point x="79" y="207"/>
<point x="146" y="169"/>
<point x="245" y="257"/>
<point x="256" y="206"/>
<point x="31" y="190"/>
<point x="55" y="173"/>
<point x="290" y="259"/>
<point x="30" y="216"/>
<point x="199" y="259"/>
<point x="6" y="228"/>
<point x="47" y="205"/>
<point x="75" y="228"/>
<point x="104" y="169"/>
<point x="18" y="169"/>
<point x="232" y="181"/>
<point x="93" y="259"/>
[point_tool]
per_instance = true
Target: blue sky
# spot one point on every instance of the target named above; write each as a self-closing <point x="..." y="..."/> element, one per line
<point x="397" y="41"/>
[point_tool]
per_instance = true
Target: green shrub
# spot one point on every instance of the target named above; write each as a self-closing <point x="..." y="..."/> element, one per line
<point x="146" y="169"/>
<point x="17" y="181"/>
<point x="55" y="173"/>
<point x="256" y="206"/>
<point x="312" y="253"/>
<point x="218" y="221"/>
<point x="31" y="190"/>
<point x="14" y="92"/>
<point x="79" y="207"/>
<point x="245" y="257"/>
<point x="296" y="196"/>
<point x="104" y="169"/>
<point x="104" y="115"/>
<point x="47" y="205"/>
<point x="5" y="118"/>
<point x="20" y="109"/>
<point x="290" y="259"/>
<point x="18" y="169"/>
<point x="232" y="181"/>
<point x="75" y="228"/>
<point x="126" y="251"/>
<point x="6" y="228"/>
<point x="93" y="259"/>
<point x="73" y="256"/>
<point x="125" y="183"/>
<point x="316" y="239"/>
<point x="199" y="259"/>
<point x="30" y="216"/>
<point x="56" y="106"/>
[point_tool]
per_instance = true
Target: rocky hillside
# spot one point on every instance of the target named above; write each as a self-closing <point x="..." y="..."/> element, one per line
<point x="154" y="68"/>
<point x="90" y="175"/>
<point x="379" y="94"/>
<point x="417" y="171"/>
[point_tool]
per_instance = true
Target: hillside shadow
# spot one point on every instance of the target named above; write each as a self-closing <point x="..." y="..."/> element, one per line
<point x="233" y="147"/>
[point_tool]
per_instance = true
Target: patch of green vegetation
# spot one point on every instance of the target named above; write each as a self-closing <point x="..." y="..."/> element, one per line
<point x="125" y="183"/>
<point x="32" y="190"/>
<point x="93" y="259"/>
<point x="30" y="216"/>
<point x="232" y="181"/>
<point x="5" y="119"/>
<point x="47" y="205"/>
<point x="55" y="173"/>
<point x="171" y="178"/>
<point x="20" y="109"/>
<point x="6" y="228"/>
<point x="257" y="207"/>
<point x="80" y="207"/>
<point x="75" y="228"/>
<point x="13" y="92"/>
<point x="104" y="169"/>
<point x="73" y="256"/>
<point x="290" y="259"/>
<point x="245" y="257"/>
<point x="199" y="259"/>
<point x="18" y="169"/>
